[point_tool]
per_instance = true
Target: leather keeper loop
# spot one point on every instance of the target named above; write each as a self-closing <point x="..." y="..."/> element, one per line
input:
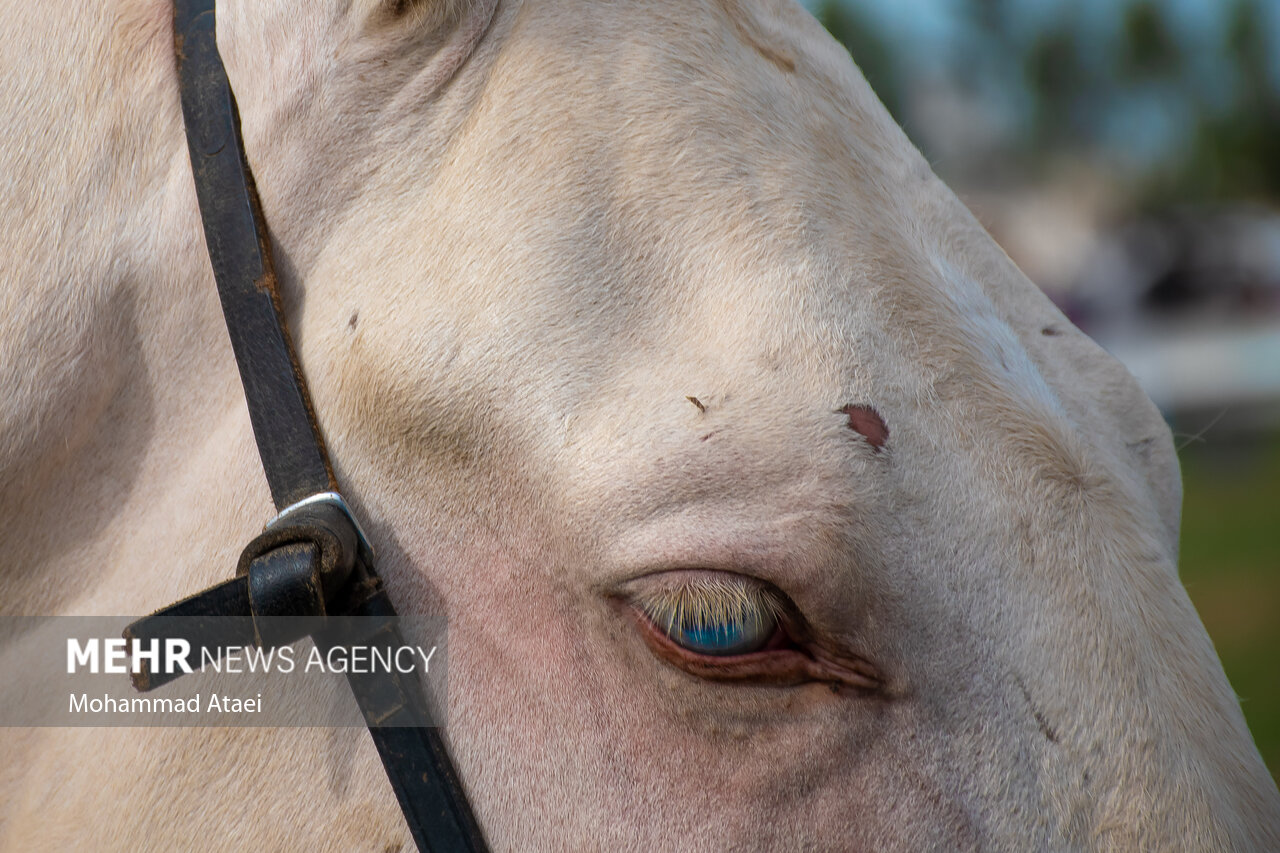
<point x="327" y="528"/>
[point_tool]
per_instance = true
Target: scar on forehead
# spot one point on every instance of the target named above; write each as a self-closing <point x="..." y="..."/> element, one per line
<point x="749" y="32"/>
<point x="867" y="422"/>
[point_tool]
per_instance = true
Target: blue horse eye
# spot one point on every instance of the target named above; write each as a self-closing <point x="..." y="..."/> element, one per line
<point x="723" y="638"/>
<point x="720" y="616"/>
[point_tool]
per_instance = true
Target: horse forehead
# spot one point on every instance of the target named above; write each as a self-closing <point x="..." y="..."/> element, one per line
<point x="737" y="113"/>
<point x="717" y="170"/>
<point x="712" y="206"/>
<point x="650" y="129"/>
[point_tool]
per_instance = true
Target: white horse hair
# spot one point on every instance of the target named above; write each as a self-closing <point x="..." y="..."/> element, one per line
<point x="515" y="239"/>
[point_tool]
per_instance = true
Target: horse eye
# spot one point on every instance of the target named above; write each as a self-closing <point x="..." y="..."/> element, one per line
<point x="717" y="617"/>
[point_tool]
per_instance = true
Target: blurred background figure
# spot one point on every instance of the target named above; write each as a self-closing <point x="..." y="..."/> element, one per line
<point x="1126" y="154"/>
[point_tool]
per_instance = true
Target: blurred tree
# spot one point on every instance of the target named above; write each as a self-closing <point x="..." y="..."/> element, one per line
<point x="1061" y="91"/>
<point x="1083" y="95"/>
<point x="1149" y="50"/>
<point x="869" y="47"/>
<point x="1234" y="152"/>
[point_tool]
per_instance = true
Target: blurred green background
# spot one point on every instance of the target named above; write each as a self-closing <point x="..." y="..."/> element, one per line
<point x="1230" y="563"/>
<point x="1126" y="153"/>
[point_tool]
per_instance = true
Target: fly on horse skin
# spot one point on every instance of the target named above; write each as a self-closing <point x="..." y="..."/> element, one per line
<point x="764" y="511"/>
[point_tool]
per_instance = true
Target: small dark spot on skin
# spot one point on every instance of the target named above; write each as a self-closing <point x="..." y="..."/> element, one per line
<point x="355" y="318"/>
<point x="778" y="57"/>
<point x="708" y="435"/>
<point x="1050" y="332"/>
<point x="867" y="422"/>
<point x="835" y="688"/>
<point x="1045" y="729"/>
<point x="698" y="403"/>
<point x="1141" y="449"/>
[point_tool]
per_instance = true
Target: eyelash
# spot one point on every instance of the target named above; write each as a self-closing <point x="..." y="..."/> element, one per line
<point x="716" y="617"/>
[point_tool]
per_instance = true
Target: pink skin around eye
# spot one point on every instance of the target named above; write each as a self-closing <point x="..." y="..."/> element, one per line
<point x="780" y="662"/>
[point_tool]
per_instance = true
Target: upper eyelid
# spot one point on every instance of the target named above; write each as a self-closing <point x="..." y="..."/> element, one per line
<point x="710" y="600"/>
<point x="715" y="593"/>
<point x="742" y="547"/>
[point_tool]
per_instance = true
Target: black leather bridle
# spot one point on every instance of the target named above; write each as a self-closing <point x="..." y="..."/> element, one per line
<point x="313" y="562"/>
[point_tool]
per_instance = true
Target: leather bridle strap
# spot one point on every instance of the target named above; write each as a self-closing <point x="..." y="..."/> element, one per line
<point x="289" y="442"/>
<point x="313" y="564"/>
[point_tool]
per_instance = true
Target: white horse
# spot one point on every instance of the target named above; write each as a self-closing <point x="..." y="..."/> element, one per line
<point x="515" y="239"/>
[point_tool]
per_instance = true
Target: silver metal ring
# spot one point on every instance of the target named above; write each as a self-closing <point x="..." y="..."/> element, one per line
<point x="333" y="499"/>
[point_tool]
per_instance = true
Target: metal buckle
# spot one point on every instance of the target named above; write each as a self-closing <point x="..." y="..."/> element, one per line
<point x="333" y="499"/>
